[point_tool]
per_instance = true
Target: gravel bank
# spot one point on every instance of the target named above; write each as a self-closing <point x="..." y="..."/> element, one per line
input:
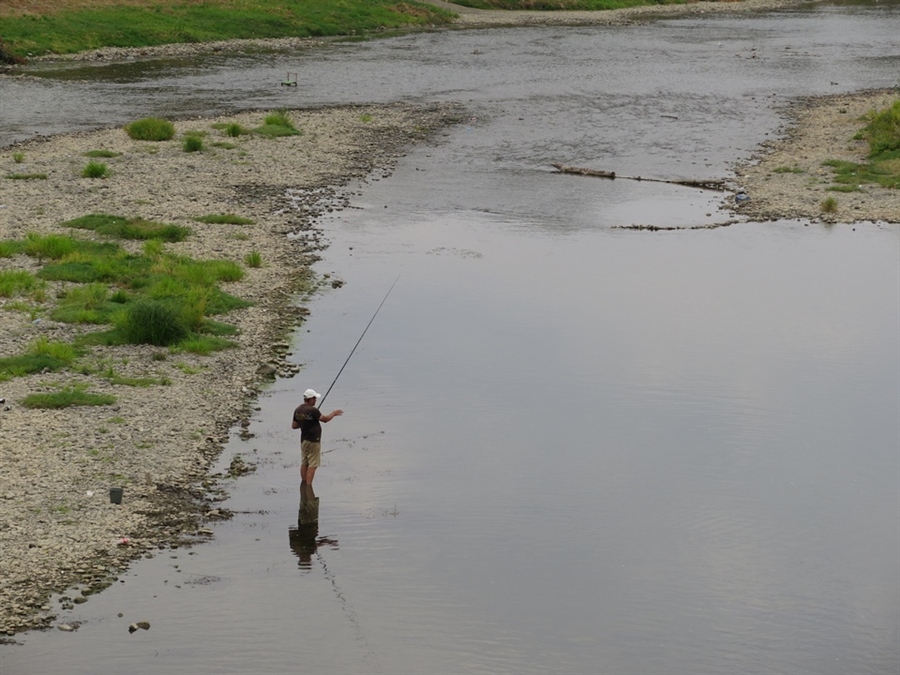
<point x="58" y="529"/>
<point x="787" y="180"/>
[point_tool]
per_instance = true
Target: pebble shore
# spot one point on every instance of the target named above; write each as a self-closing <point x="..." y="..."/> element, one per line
<point x="59" y="533"/>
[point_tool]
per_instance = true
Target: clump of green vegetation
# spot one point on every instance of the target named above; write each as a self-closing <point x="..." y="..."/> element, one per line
<point x="192" y="143"/>
<point x="16" y="282"/>
<point x="365" y="117"/>
<point x="829" y="205"/>
<point x="787" y="169"/>
<point x="151" y="129"/>
<point x="223" y="145"/>
<point x="276" y="124"/>
<point x="224" y="219"/>
<point x="66" y="398"/>
<point x="27" y="176"/>
<point x="883" y="130"/>
<point x="95" y="170"/>
<point x="234" y="130"/>
<point x="844" y="188"/>
<point x="18" y="157"/>
<point x="101" y="153"/>
<point x="89" y="304"/>
<point x="128" y="228"/>
<point x="155" y="298"/>
<point x="152" y="322"/>
<point x="253" y="259"/>
<point x="50" y="246"/>
<point x="883" y="136"/>
<point x="42" y="355"/>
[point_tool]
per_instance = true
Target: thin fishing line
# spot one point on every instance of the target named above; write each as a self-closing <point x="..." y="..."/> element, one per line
<point x="360" y="340"/>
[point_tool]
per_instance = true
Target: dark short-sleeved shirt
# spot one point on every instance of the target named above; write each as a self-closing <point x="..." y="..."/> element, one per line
<point x="307" y="417"/>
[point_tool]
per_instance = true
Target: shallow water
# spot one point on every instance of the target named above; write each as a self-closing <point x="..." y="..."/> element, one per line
<point x="567" y="447"/>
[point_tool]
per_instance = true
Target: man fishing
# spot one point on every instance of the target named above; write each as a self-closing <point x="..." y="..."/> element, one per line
<point x="307" y="418"/>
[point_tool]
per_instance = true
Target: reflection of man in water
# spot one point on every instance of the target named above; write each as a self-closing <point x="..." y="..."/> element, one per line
<point x="305" y="537"/>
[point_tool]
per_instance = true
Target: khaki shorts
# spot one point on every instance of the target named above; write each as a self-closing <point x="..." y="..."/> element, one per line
<point x="311" y="453"/>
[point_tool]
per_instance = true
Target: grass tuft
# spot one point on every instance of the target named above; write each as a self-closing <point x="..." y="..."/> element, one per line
<point x="829" y="205"/>
<point x="192" y="143"/>
<point x="128" y="228"/>
<point x="95" y="170"/>
<point x="224" y="219"/>
<point x="277" y="124"/>
<point x="101" y="153"/>
<point x="152" y="322"/>
<point x="253" y="259"/>
<point x="66" y="398"/>
<point x="151" y="129"/>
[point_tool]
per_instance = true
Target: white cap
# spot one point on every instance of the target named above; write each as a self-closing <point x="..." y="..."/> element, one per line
<point x="310" y="393"/>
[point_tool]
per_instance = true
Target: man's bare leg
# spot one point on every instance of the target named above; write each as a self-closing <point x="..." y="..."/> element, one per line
<point x="310" y="472"/>
<point x="304" y="469"/>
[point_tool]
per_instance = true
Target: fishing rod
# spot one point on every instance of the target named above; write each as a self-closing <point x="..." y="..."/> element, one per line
<point x="360" y="340"/>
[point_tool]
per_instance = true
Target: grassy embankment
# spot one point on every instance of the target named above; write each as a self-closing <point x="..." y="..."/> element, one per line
<point x="559" y="5"/>
<point x="33" y="28"/>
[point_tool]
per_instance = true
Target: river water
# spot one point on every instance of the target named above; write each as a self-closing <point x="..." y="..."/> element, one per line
<point x="567" y="447"/>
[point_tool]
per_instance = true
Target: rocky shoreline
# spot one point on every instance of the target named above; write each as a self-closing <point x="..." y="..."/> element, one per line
<point x="786" y="179"/>
<point x="59" y="532"/>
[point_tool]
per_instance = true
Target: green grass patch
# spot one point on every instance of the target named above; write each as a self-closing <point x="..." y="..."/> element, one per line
<point x="787" y="169"/>
<point x="883" y="172"/>
<point x="18" y="157"/>
<point x="27" y="176"/>
<point x="95" y="170"/>
<point x="882" y="133"/>
<point x="223" y="145"/>
<point x="204" y="345"/>
<point x="276" y="124"/>
<point x="152" y="322"/>
<point x="128" y="228"/>
<point x="155" y="298"/>
<point x="66" y="398"/>
<point x="65" y="31"/>
<point x="560" y="5"/>
<point x="151" y="129"/>
<point x="883" y="130"/>
<point x="16" y="282"/>
<point x="192" y="143"/>
<point x="101" y="153"/>
<point x="224" y="219"/>
<point x="829" y="205"/>
<point x="253" y="259"/>
<point x="844" y="188"/>
<point x="42" y="355"/>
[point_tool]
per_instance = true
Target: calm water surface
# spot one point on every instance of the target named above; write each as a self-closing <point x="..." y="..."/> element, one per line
<point x="567" y="447"/>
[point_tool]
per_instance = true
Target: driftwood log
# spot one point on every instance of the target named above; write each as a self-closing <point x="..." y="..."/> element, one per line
<point x="704" y="184"/>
